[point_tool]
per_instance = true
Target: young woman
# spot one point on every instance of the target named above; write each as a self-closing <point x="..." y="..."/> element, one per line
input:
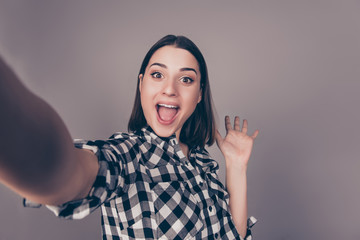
<point x="155" y="182"/>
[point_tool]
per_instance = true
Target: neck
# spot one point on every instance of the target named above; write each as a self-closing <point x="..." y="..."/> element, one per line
<point x="183" y="146"/>
<point x="184" y="149"/>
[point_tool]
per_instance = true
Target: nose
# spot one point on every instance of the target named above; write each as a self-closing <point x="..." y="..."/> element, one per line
<point x="170" y="88"/>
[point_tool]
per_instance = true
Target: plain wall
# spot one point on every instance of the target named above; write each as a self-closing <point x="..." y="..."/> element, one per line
<point x="292" y="68"/>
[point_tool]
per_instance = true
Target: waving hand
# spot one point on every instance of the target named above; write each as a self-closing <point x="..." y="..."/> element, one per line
<point x="236" y="146"/>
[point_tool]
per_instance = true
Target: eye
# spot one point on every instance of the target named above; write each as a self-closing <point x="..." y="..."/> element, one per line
<point x="186" y="80"/>
<point x="156" y="75"/>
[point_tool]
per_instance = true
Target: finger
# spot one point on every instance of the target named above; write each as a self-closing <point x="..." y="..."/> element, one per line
<point x="218" y="137"/>
<point x="237" y="123"/>
<point x="245" y="126"/>
<point x="255" y="134"/>
<point x="227" y="124"/>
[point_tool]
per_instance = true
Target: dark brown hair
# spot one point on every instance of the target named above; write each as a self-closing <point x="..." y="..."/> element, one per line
<point x="199" y="128"/>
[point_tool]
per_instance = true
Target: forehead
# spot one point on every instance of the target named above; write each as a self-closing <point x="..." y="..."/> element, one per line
<point x="174" y="57"/>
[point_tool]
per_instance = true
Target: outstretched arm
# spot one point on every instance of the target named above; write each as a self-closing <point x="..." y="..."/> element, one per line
<point x="37" y="156"/>
<point x="236" y="148"/>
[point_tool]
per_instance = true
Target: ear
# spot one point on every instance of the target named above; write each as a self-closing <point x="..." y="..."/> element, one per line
<point x="140" y="81"/>
<point x="199" y="100"/>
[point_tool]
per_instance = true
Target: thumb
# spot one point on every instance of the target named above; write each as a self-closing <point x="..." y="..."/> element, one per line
<point x="218" y="138"/>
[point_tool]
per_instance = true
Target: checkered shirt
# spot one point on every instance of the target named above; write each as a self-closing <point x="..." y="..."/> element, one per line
<point x="148" y="189"/>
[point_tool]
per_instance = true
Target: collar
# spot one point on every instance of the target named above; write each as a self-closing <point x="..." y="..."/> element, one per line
<point x="197" y="155"/>
<point x="151" y="136"/>
<point x="202" y="159"/>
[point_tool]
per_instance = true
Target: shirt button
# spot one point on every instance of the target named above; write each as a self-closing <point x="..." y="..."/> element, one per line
<point x="201" y="184"/>
<point x="210" y="208"/>
<point x="216" y="235"/>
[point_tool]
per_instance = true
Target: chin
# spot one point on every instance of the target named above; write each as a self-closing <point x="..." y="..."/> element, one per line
<point x="164" y="131"/>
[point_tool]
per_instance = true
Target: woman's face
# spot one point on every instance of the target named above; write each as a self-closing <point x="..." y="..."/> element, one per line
<point x="170" y="90"/>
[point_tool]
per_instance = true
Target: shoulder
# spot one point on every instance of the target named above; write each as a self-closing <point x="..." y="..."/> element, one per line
<point x="204" y="159"/>
<point x="126" y="140"/>
<point x="203" y="155"/>
<point x="117" y="143"/>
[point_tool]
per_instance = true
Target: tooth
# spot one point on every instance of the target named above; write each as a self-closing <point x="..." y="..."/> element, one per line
<point x="168" y="106"/>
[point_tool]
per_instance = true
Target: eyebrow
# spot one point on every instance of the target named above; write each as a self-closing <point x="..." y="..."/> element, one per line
<point x="181" y="69"/>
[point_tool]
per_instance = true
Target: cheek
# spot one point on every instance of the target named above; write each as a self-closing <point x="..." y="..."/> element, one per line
<point x="192" y="98"/>
<point x="149" y="88"/>
<point x="144" y="97"/>
<point x="146" y="91"/>
<point x="146" y="102"/>
<point x="147" y="96"/>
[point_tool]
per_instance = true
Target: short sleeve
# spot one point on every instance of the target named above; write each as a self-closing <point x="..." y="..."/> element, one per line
<point x="211" y="167"/>
<point x="250" y="223"/>
<point x="112" y="178"/>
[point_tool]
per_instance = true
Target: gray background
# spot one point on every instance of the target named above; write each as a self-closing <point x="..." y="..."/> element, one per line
<point x="290" y="67"/>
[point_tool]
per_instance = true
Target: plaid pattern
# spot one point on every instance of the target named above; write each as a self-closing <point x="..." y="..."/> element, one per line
<point x="148" y="189"/>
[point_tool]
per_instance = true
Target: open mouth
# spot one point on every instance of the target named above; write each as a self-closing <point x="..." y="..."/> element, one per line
<point x="166" y="113"/>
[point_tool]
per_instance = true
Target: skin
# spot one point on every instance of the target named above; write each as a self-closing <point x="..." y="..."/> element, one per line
<point x="65" y="173"/>
<point x="166" y="81"/>
<point x="173" y="81"/>
<point x="236" y="147"/>
<point x="48" y="169"/>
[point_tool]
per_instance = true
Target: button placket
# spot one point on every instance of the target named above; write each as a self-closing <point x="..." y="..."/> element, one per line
<point x="216" y="227"/>
<point x="212" y="210"/>
<point x="173" y="141"/>
<point x="200" y="182"/>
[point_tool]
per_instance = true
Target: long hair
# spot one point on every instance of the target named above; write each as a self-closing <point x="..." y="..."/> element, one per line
<point x="199" y="129"/>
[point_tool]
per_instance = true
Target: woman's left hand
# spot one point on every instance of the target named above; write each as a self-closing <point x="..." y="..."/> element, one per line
<point x="237" y="144"/>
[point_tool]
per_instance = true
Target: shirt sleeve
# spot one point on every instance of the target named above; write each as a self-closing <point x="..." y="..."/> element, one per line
<point x="210" y="166"/>
<point x="250" y="223"/>
<point x="116" y="171"/>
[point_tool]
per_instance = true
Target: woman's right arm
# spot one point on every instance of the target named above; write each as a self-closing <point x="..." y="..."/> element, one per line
<point x="37" y="157"/>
